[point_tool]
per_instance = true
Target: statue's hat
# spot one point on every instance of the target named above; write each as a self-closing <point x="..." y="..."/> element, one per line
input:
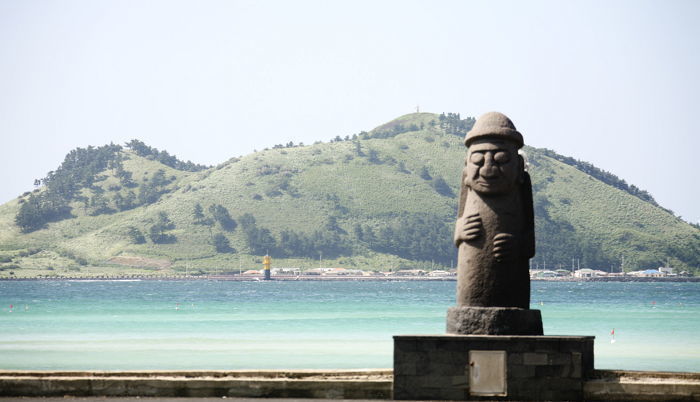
<point x="494" y="125"/>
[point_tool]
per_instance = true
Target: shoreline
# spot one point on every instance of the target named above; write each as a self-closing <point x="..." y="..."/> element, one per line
<point x="314" y="278"/>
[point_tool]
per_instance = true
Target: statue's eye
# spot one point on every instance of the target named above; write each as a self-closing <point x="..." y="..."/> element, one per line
<point x="501" y="157"/>
<point x="477" y="158"/>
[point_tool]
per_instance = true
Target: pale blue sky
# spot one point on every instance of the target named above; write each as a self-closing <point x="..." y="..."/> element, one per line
<point x="614" y="83"/>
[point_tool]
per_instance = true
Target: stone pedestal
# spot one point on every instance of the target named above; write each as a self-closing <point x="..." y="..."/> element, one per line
<point x="493" y="367"/>
<point x="466" y="320"/>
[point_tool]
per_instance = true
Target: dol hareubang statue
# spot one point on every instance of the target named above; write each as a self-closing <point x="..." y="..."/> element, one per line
<point x="495" y="235"/>
<point x="494" y="348"/>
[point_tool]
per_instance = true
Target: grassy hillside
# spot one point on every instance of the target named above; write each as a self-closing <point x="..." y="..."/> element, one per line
<point x="383" y="199"/>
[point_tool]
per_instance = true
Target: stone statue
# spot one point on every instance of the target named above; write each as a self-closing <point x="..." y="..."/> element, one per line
<point x="495" y="234"/>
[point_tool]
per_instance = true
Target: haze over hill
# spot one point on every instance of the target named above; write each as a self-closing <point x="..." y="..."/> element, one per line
<point x="383" y="199"/>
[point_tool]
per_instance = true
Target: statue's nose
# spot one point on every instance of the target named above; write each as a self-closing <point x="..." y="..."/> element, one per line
<point x="489" y="170"/>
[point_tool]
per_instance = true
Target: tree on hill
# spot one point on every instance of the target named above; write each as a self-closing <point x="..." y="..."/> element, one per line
<point x="158" y="232"/>
<point x="99" y="204"/>
<point x="135" y="235"/>
<point x="425" y="174"/>
<point x="127" y="202"/>
<point x="221" y="215"/>
<point x="247" y="220"/>
<point x="441" y="186"/>
<point x="259" y="240"/>
<point x="402" y="167"/>
<point x="358" y="147"/>
<point x="373" y="157"/>
<point x="292" y="244"/>
<point x="124" y="176"/>
<point x="198" y="214"/>
<point x="152" y="189"/>
<point x="40" y="209"/>
<point x="200" y="218"/>
<point x="222" y="244"/>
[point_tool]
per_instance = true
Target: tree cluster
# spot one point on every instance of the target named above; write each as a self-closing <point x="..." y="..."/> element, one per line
<point x="41" y="209"/>
<point x="330" y="240"/>
<point x="290" y="144"/>
<point x="392" y="131"/>
<point x="152" y="189"/>
<point x="135" y="235"/>
<point x="163" y="157"/>
<point x="259" y="240"/>
<point x="217" y="213"/>
<point x="604" y="176"/>
<point x="159" y="231"/>
<point x="453" y="124"/>
<point x="414" y="237"/>
<point x="441" y="187"/>
<point x="79" y="169"/>
<point x="221" y="244"/>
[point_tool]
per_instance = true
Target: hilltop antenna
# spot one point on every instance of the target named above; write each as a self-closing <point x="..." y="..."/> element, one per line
<point x="417" y="108"/>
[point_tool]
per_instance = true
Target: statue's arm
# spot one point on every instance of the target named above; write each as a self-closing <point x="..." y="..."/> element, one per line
<point x="467" y="227"/>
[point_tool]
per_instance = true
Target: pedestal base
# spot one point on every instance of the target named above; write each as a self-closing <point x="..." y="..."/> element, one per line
<point x="470" y="367"/>
<point x="465" y="320"/>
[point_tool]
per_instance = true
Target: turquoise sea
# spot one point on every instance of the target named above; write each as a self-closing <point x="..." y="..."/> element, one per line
<point x="139" y="325"/>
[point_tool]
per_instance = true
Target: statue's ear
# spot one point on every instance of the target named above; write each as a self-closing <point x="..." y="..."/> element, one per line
<point x="521" y="169"/>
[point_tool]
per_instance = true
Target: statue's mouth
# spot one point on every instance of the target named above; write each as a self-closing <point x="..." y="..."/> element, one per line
<point x="488" y="182"/>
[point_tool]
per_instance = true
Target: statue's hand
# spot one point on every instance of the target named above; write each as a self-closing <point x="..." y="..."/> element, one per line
<point x="503" y="245"/>
<point x="468" y="228"/>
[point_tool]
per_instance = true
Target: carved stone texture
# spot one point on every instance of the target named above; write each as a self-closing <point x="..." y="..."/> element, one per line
<point x="493" y="321"/>
<point x="495" y="230"/>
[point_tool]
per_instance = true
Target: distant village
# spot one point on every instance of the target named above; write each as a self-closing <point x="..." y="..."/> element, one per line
<point x="535" y="274"/>
<point x="337" y="273"/>
<point x="586" y="273"/>
<point x="345" y="272"/>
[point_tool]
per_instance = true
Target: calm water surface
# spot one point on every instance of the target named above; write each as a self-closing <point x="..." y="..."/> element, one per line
<point x="263" y="325"/>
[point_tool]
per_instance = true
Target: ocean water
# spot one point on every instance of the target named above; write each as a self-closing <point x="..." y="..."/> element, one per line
<point x="141" y="325"/>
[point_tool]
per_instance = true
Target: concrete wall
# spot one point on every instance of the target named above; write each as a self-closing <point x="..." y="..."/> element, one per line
<point x="603" y="385"/>
<point x="619" y="385"/>
<point x="360" y="384"/>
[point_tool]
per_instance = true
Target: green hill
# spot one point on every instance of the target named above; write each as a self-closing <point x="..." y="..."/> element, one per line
<point x="381" y="199"/>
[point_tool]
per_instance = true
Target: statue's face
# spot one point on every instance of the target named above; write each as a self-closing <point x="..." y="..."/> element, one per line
<point x="492" y="167"/>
